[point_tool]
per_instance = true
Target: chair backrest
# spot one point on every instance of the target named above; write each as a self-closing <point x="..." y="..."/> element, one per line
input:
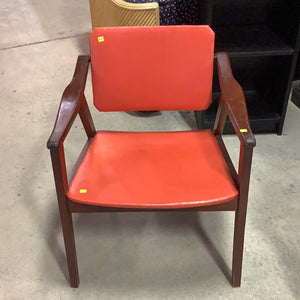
<point x="152" y="68"/>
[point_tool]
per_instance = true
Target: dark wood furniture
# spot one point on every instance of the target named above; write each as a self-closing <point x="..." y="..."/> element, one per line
<point x="262" y="38"/>
<point x="232" y="104"/>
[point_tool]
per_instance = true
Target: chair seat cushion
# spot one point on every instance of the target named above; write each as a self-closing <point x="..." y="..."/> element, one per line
<point x="153" y="170"/>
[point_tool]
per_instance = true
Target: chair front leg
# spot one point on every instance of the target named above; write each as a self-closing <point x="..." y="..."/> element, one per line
<point x="238" y="247"/>
<point x="60" y="176"/>
<point x="69" y="240"/>
<point x="240" y="215"/>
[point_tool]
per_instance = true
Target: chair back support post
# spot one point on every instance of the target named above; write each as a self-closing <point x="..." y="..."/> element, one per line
<point x="228" y="160"/>
<point x="86" y="118"/>
<point x="220" y="119"/>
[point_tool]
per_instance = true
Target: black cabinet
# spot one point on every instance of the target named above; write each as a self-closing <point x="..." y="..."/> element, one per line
<point x="262" y="39"/>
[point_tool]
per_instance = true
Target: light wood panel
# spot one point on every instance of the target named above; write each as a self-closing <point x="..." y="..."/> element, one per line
<point x="106" y="13"/>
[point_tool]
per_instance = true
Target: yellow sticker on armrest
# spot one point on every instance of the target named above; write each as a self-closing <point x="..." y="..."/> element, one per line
<point x="83" y="191"/>
<point x="100" y="39"/>
<point x="243" y="130"/>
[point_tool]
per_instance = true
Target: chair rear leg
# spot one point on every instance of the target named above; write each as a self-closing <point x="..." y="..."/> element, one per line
<point x="68" y="233"/>
<point x="238" y="246"/>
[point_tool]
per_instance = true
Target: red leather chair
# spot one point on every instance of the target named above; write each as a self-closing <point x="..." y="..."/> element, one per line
<point x="153" y="171"/>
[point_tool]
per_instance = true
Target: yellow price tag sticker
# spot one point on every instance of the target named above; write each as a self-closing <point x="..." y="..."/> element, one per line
<point x="100" y="39"/>
<point x="243" y="130"/>
<point x="83" y="191"/>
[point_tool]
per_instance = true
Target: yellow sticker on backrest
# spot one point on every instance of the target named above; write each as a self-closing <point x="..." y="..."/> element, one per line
<point x="83" y="191"/>
<point x="100" y="39"/>
<point x="243" y="130"/>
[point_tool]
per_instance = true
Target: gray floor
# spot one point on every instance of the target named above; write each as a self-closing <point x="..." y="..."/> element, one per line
<point x="134" y="256"/>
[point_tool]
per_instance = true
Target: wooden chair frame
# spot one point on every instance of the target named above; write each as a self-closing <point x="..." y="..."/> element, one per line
<point x="232" y="104"/>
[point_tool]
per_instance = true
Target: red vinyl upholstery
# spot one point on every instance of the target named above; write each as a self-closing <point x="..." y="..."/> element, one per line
<point x="152" y="68"/>
<point x="153" y="170"/>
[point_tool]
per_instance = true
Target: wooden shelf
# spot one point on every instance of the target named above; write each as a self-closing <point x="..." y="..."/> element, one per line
<point x="261" y="115"/>
<point x="262" y="38"/>
<point x="257" y="126"/>
<point x="257" y="106"/>
<point x="246" y="40"/>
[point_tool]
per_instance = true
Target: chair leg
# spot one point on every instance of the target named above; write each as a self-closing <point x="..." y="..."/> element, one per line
<point x="238" y="246"/>
<point x="68" y="233"/>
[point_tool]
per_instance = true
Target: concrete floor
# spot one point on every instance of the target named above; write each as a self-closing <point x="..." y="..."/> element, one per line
<point x="124" y="256"/>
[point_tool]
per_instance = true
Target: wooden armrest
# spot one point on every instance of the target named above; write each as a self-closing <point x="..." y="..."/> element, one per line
<point x="233" y="99"/>
<point x="72" y="97"/>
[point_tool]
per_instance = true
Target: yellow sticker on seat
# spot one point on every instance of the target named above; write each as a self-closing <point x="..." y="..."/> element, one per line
<point x="83" y="191"/>
<point x="243" y="130"/>
<point x="100" y="39"/>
